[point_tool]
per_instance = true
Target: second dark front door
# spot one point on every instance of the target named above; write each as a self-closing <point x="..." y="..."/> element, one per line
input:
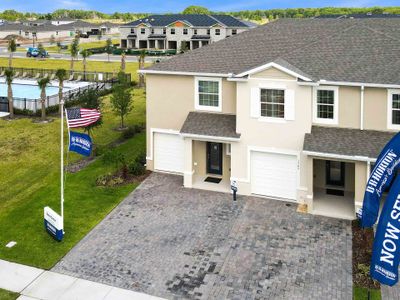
<point x="214" y="158"/>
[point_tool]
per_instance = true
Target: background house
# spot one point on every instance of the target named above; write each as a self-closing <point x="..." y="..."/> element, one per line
<point x="172" y="31"/>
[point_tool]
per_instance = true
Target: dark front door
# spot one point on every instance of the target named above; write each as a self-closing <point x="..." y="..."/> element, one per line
<point x="214" y="158"/>
<point x="335" y="173"/>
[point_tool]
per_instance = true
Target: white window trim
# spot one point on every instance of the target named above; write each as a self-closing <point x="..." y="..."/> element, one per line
<point x="390" y="124"/>
<point x="196" y="94"/>
<point x="228" y="148"/>
<point x="335" y="119"/>
<point x="273" y="119"/>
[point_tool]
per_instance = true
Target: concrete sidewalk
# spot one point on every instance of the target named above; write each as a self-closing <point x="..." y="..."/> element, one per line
<point x="33" y="283"/>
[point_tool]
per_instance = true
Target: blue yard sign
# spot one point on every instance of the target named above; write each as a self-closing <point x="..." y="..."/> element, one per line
<point x="53" y="223"/>
<point x="386" y="250"/>
<point x="80" y="143"/>
<point x="380" y="179"/>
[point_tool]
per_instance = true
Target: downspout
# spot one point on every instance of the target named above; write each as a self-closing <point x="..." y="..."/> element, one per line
<point x="362" y="108"/>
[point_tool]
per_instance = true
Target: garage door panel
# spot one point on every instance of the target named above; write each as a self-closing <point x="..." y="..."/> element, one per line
<point x="168" y="152"/>
<point x="274" y="175"/>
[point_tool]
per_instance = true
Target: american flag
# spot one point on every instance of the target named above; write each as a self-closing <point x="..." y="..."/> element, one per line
<point x="81" y="117"/>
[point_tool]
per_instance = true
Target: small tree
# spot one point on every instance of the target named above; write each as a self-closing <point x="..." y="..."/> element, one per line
<point x="109" y="48"/>
<point x="12" y="47"/>
<point x="99" y="35"/>
<point x="52" y="39"/>
<point x="41" y="49"/>
<point x="43" y="83"/>
<point x="74" y="51"/>
<point x="184" y="47"/>
<point x="61" y="75"/>
<point x="85" y="54"/>
<point x="141" y="60"/>
<point x="91" y="100"/>
<point x="59" y="47"/>
<point x="121" y="99"/>
<point x="9" y="79"/>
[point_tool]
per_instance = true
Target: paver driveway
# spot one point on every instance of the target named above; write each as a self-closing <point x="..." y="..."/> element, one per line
<point x="173" y="242"/>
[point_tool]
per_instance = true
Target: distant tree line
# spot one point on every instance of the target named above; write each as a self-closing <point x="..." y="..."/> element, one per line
<point x="254" y="15"/>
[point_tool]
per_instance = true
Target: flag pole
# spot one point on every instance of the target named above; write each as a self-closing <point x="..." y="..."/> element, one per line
<point x="62" y="161"/>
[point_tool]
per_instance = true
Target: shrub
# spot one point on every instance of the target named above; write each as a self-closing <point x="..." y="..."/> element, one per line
<point x="131" y="131"/>
<point x="136" y="168"/>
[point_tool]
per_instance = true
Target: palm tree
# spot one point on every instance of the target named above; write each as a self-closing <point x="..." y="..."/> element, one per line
<point x="43" y="83"/>
<point x="85" y="54"/>
<point x="61" y="75"/>
<point x="12" y="47"/>
<point x="74" y="51"/>
<point x="9" y="79"/>
<point x="142" y="57"/>
<point x="123" y="61"/>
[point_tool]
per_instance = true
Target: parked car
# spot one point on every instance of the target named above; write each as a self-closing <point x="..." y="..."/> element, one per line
<point x="36" y="52"/>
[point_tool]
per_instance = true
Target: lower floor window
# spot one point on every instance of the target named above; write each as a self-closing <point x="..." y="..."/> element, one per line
<point x="396" y="109"/>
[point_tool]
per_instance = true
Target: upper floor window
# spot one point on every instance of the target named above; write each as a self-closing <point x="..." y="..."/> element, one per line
<point x="185" y="31"/>
<point x="272" y="103"/>
<point x="172" y="30"/>
<point x="394" y="109"/>
<point x="326" y="105"/>
<point x="152" y="31"/>
<point x="208" y="31"/>
<point x="217" y="31"/>
<point x="164" y="31"/>
<point x="208" y="94"/>
<point x="234" y="31"/>
<point x="142" y="30"/>
<point x="194" y="31"/>
<point x="132" y="30"/>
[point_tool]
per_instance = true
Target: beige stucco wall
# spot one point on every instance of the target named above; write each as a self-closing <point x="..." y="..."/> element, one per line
<point x="272" y="73"/>
<point x="286" y="136"/>
<point x="169" y="99"/>
<point x="349" y="107"/>
<point x="375" y="109"/>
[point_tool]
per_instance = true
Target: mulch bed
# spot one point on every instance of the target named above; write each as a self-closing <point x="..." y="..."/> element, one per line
<point x="362" y="250"/>
<point x="79" y="165"/>
<point x="118" y="179"/>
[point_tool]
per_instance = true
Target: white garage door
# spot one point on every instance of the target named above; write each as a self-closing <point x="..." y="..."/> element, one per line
<point x="274" y="175"/>
<point x="168" y="152"/>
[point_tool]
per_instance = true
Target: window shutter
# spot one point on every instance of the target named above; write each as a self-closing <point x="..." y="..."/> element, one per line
<point x="255" y="107"/>
<point x="289" y="105"/>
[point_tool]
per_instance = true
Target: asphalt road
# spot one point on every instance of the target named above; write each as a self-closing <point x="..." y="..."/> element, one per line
<point x="95" y="57"/>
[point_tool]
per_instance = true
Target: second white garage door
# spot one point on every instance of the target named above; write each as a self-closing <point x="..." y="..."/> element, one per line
<point x="274" y="175"/>
<point x="168" y="152"/>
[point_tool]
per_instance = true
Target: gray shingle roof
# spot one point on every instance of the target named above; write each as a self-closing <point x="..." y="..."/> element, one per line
<point x="345" y="141"/>
<point x="351" y="50"/>
<point x="210" y="124"/>
<point x="193" y="19"/>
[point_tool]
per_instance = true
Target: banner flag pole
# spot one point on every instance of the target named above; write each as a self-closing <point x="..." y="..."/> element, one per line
<point x="62" y="161"/>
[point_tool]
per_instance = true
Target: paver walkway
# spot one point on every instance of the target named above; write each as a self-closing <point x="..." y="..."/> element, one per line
<point x="390" y="292"/>
<point x="173" y="242"/>
<point x="33" y="283"/>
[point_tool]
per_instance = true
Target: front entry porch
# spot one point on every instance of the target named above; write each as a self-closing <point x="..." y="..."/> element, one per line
<point x="333" y="188"/>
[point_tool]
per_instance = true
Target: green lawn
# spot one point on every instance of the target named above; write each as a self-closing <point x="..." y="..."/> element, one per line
<point x="362" y="294"/>
<point x="29" y="173"/>
<point x="6" y="295"/>
<point x="99" y="66"/>
<point x="82" y="46"/>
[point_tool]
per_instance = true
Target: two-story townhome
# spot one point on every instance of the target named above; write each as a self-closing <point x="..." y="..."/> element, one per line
<point x="294" y="110"/>
<point x="172" y="31"/>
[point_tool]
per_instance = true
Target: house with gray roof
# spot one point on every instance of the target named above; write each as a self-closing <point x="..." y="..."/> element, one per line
<point x="170" y="32"/>
<point x="295" y="110"/>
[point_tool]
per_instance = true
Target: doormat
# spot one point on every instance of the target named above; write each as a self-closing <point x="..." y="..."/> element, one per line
<point x="335" y="192"/>
<point x="213" y="180"/>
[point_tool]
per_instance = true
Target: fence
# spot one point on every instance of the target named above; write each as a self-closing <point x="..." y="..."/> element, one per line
<point x="35" y="104"/>
<point x="31" y="73"/>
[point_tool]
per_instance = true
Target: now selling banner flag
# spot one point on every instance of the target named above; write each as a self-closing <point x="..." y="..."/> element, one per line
<point x="80" y="143"/>
<point x="380" y="179"/>
<point x="386" y="250"/>
<point x="82" y="117"/>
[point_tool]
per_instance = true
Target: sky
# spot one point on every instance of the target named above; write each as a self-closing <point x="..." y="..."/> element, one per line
<point x="160" y="6"/>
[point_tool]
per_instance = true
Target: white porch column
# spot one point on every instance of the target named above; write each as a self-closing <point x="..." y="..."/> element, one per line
<point x="310" y="183"/>
<point x="188" y="166"/>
